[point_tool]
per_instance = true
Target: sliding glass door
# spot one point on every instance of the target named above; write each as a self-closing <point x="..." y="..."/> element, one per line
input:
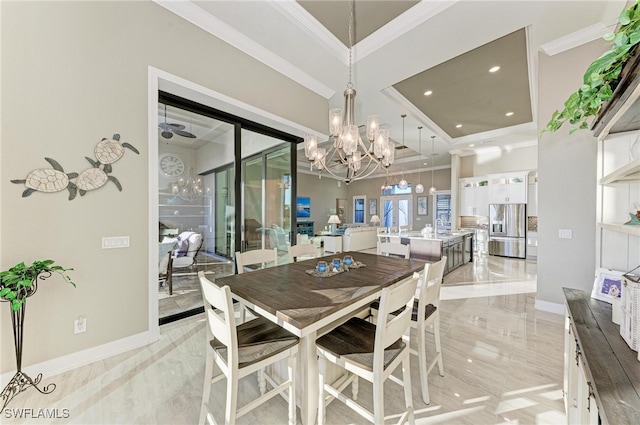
<point x="266" y="193"/>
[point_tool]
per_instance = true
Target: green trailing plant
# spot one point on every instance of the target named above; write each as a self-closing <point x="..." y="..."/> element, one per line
<point x="19" y="282"/>
<point x="602" y="75"/>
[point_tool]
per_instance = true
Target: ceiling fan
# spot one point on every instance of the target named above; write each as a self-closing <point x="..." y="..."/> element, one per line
<point x="169" y="129"/>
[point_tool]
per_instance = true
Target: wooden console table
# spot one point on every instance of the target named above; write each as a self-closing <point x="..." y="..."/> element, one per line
<point x="599" y="365"/>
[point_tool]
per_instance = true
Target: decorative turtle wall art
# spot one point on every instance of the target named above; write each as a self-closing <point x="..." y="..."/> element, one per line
<point x="49" y="180"/>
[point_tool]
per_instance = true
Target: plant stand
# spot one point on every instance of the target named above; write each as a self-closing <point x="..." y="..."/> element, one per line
<point x="21" y="381"/>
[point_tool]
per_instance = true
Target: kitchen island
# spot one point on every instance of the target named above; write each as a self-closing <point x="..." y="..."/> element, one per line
<point x="457" y="246"/>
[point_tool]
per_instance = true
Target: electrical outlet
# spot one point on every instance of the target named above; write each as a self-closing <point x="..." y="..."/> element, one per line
<point x="80" y="325"/>
<point x="565" y="233"/>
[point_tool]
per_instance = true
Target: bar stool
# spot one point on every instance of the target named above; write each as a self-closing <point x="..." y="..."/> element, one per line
<point x="371" y="352"/>
<point x="241" y="350"/>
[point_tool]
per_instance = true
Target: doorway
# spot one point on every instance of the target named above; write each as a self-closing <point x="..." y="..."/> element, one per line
<point x="396" y="211"/>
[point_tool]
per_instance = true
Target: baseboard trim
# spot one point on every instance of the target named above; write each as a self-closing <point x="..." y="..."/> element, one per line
<point x="550" y="307"/>
<point x="72" y="361"/>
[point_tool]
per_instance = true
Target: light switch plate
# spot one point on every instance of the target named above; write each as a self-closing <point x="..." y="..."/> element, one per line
<point x="111" y="242"/>
<point x="565" y="233"/>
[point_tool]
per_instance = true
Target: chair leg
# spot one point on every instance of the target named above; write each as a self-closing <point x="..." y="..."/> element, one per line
<point x="436" y="332"/>
<point x="408" y="397"/>
<point x="292" y="390"/>
<point x="355" y="387"/>
<point x="262" y="381"/>
<point x="422" y="363"/>
<point x="232" y="397"/>
<point x="322" y="369"/>
<point x="206" y="391"/>
<point x="378" y="401"/>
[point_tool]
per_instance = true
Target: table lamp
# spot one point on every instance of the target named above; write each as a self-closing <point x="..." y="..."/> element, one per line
<point x="333" y="220"/>
<point x="375" y="219"/>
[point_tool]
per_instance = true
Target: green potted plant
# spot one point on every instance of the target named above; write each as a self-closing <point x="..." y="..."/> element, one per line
<point x="602" y="76"/>
<point x="19" y="282"/>
<point x="16" y="285"/>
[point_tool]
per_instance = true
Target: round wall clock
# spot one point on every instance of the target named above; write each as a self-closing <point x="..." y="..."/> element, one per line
<point x="171" y="165"/>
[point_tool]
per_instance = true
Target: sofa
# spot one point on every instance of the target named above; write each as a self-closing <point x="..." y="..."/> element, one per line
<point x="359" y="238"/>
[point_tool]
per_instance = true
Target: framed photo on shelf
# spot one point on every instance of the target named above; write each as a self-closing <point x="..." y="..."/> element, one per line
<point x="373" y="206"/>
<point x="608" y="285"/>
<point x="422" y="205"/>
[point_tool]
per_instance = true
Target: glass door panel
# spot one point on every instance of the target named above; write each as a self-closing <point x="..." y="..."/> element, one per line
<point x="266" y="195"/>
<point x="224" y="220"/>
<point x="253" y="227"/>
<point x="396" y="211"/>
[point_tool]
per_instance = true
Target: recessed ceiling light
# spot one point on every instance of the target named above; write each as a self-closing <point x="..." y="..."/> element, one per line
<point x="428" y="93"/>
<point x="458" y="125"/>
<point x="494" y="69"/>
<point x="471" y="145"/>
<point x="508" y="114"/>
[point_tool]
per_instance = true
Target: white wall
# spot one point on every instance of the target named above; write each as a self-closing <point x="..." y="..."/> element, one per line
<point x="566" y="181"/>
<point x="496" y="160"/>
<point x="73" y="73"/>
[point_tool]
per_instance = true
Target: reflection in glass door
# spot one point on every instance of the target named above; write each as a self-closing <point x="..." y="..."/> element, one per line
<point x="396" y="211"/>
<point x="266" y="192"/>
<point x="224" y="218"/>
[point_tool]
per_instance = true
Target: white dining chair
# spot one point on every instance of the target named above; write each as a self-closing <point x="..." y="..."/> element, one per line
<point x="394" y="249"/>
<point x="372" y="352"/>
<point x="254" y="257"/>
<point x="425" y="313"/>
<point x="302" y="252"/>
<point x="241" y="350"/>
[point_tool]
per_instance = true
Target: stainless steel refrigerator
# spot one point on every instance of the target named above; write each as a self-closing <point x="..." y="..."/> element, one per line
<point x="507" y="230"/>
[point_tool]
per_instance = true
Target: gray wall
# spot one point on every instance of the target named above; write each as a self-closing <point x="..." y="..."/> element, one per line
<point x="324" y="191"/>
<point x="566" y="181"/>
<point x="73" y="73"/>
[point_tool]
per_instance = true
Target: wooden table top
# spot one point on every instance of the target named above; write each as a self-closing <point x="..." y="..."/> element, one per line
<point x="289" y="293"/>
<point x="612" y="367"/>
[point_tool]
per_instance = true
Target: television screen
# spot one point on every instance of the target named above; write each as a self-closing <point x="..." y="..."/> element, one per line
<point x="303" y="207"/>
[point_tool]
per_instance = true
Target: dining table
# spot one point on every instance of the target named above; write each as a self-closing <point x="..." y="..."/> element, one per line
<point x="308" y="305"/>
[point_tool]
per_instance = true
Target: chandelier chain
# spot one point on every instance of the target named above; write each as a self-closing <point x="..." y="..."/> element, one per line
<point x="351" y="7"/>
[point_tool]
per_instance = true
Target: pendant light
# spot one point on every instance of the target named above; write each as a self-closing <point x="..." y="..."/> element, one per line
<point x="419" y="186"/>
<point x="432" y="189"/>
<point x="403" y="184"/>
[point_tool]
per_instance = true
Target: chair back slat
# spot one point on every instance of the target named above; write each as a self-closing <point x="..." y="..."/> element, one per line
<point x="222" y="326"/>
<point x="389" y="328"/>
<point x="307" y="250"/>
<point x="395" y="249"/>
<point x="256" y="256"/>
<point x="431" y="283"/>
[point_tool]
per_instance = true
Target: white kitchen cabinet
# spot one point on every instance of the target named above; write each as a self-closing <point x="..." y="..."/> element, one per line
<point x="508" y="188"/>
<point x="474" y="196"/>
<point x="532" y="245"/>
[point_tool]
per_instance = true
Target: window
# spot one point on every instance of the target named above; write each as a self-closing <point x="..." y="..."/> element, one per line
<point x="443" y="209"/>
<point x="358" y="209"/>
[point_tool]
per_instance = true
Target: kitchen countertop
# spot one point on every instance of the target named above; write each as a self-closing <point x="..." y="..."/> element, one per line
<point x="418" y="236"/>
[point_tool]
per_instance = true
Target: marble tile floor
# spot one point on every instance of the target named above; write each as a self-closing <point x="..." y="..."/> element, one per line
<point x="503" y="364"/>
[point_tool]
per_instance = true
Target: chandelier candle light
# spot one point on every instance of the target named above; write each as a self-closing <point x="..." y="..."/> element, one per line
<point x="355" y="159"/>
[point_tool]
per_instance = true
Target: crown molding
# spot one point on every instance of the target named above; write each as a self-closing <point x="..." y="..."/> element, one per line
<point x="299" y="16"/>
<point x="192" y="13"/>
<point x="485" y="149"/>
<point x="575" y="39"/>
<point x="416" y="113"/>
<point x="399" y="26"/>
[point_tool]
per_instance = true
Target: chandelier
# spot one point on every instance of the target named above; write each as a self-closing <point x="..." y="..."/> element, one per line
<point x="190" y="188"/>
<point x="349" y="158"/>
